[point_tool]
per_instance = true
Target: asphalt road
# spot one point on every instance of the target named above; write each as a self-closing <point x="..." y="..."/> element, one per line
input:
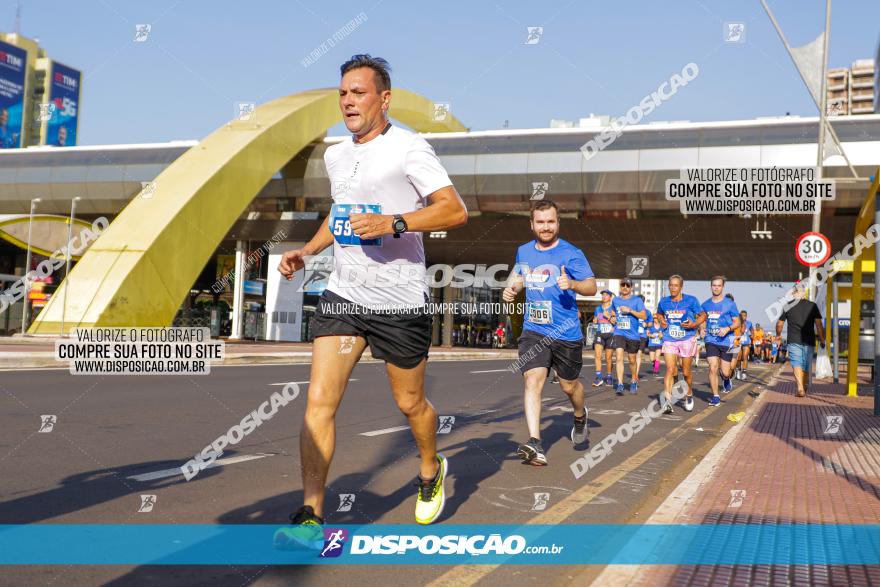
<point x="115" y="435"/>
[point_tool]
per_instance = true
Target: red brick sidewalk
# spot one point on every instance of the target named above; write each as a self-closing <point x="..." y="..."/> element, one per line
<point x="790" y="463"/>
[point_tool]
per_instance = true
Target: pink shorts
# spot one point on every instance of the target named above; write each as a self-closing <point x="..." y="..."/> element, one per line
<point x="682" y="348"/>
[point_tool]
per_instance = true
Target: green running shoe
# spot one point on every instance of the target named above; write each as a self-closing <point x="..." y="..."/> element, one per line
<point x="305" y="531"/>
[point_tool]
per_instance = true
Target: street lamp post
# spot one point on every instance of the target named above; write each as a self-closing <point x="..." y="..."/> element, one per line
<point x="820" y="154"/>
<point x="27" y="267"/>
<point x="67" y="261"/>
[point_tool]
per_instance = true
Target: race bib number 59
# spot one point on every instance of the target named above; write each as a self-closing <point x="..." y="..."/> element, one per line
<point x="340" y="225"/>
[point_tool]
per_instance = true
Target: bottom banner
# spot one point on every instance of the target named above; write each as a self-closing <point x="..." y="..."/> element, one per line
<point x="744" y="544"/>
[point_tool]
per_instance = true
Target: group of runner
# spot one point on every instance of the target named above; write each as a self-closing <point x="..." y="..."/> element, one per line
<point x="388" y="188"/>
<point x="724" y="331"/>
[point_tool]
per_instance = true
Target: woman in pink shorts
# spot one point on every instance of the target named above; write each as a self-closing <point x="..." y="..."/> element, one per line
<point x="680" y="316"/>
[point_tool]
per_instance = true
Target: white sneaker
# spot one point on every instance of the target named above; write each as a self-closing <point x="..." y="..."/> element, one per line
<point x="689" y="403"/>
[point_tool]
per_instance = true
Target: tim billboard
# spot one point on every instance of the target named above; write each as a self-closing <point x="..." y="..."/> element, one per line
<point x="64" y="91"/>
<point x="13" y="61"/>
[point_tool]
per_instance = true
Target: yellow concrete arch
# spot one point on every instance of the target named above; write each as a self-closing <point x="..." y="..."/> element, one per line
<point x="140" y="270"/>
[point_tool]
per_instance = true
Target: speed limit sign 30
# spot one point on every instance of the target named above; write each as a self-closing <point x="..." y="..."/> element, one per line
<point x="812" y="249"/>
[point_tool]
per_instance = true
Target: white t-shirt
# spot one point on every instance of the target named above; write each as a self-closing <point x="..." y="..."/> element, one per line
<point x="397" y="170"/>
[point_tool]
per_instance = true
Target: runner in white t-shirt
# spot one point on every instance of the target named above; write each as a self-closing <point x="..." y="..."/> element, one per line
<point x="388" y="187"/>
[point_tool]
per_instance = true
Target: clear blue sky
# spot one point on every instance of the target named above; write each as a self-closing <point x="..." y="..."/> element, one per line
<point x="202" y="56"/>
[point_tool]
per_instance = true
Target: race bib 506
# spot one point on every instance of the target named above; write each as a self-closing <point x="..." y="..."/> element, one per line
<point x="541" y="312"/>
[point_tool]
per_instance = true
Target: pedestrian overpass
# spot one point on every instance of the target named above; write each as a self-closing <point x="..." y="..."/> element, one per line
<point x="251" y="178"/>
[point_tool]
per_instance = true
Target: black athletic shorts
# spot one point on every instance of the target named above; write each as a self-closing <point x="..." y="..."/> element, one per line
<point x="402" y="339"/>
<point x="537" y="350"/>
<point x="718" y="350"/>
<point x="605" y="339"/>
<point x="631" y="347"/>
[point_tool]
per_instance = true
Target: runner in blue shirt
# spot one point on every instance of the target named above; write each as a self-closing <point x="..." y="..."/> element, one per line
<point x="655" y="342"/>
<point x="745" y="346"/>
<point x="643" y="335"/>
<point x="722" y="318"/>
<point x="552" y="271"/>
<point x="629" y="309"/>
<point x="602" y="317"/>
<point x="680" y="316"/>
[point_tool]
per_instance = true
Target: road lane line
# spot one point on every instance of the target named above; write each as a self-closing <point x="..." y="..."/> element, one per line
<point x="465" y="575"/>
<point x="491" y="371"/>
<point x="218" y="463"/>
<point x="300" y="382"/>
<point x="384" y="431"/>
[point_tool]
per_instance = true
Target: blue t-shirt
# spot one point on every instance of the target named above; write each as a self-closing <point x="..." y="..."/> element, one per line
<point x="627" y="324"/>
<point x="746" y="338"/>
<point x="549" y="310"/>
<point x="605" y="325"/>
<point x="687" y="308"/>
<point x="649" y="318"/>
<point x="719" y="315"/>
<point x="655" y="336"/>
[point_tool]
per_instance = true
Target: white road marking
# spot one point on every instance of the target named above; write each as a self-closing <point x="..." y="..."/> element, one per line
<point x="218" y="463"/>
<point x="384" y="431"/>
<point x="491" y="371"/>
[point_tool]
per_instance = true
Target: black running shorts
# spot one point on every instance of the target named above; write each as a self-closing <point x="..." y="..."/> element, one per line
<point x="605" y="339"/>
<point x="401" y="339"/>
<point x="565" y="356"/>
<point x="628" y="345"/>
<point x="718" y="350"/>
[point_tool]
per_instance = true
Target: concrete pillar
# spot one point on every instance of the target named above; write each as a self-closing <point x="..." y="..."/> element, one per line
<point x="448" y="323"/>
<point x="238" y="292"/>
<point x="436" y="325"/>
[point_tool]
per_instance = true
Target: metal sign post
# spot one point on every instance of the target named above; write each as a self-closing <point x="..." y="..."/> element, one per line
<point x="876" y="309"/>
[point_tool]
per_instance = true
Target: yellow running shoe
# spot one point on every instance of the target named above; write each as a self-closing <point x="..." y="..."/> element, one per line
<point x="431" y="496"/>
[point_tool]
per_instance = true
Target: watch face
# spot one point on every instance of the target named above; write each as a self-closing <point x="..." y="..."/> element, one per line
<point x="399" y="225"/>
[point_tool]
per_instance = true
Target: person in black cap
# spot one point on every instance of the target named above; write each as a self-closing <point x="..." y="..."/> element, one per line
<point x="629" y="309"/>
<point x="602" y="317"/>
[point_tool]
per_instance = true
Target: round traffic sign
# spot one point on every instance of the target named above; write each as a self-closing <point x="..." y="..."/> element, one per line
<point x="812" y="249"/>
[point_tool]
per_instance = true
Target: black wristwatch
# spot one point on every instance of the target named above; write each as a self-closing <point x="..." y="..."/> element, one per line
<point x="398" y="225"/>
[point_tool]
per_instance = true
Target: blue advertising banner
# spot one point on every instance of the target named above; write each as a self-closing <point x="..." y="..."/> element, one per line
<point x="13" y="62"/>
<point x="444" y="544"/>
<point x="64" y="99"/>
<point x="255" y="288"/>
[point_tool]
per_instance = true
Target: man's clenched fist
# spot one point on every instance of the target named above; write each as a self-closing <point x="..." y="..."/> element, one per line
<point x="291" y="262"/>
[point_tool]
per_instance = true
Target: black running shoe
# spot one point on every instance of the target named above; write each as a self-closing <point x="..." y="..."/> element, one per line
<point x="579" y="429"/>
<point x="532" y="452"/>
